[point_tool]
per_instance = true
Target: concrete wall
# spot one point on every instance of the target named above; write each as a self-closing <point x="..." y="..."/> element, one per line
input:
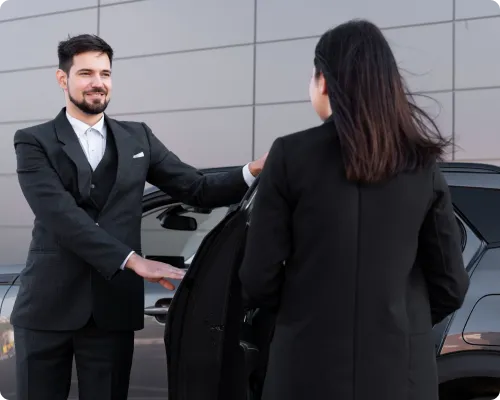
<point x="218" y="80"/>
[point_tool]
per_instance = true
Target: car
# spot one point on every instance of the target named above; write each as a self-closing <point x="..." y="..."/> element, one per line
<point x="217" y="348"/>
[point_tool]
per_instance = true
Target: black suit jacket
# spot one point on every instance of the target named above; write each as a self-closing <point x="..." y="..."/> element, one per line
<point x="73" y="264"/>
<point x="368" y="270"/>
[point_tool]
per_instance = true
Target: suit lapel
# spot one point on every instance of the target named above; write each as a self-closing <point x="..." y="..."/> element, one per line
<point x="71" y="146"/>
<point x="126" y="146"/>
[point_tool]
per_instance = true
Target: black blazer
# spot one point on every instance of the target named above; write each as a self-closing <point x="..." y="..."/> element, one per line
<point x="73" y="264"/>
<point x="368" y="270"/>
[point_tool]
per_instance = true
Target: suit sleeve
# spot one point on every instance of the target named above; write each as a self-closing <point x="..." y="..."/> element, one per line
<point x="440" y="254"/>
<point x="269" y="234"/>
<point x="189" y="185"/>
<point x="57" y="210"/>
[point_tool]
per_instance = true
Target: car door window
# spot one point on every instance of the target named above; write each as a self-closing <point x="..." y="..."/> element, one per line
<point x="172" y="245"/>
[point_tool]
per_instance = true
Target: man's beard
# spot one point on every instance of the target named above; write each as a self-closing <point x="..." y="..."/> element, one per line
<point x="90" y="108"/>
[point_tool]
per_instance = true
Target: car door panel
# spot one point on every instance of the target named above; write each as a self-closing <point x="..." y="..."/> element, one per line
<point x="205" y="358"/>
<point x="175" y="246"/>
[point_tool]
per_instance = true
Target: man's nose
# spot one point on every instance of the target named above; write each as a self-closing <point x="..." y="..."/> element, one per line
<point x="97" y="82"/>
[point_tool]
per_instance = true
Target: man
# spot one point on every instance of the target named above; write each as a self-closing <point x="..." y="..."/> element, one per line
<point x="83" y="175"/>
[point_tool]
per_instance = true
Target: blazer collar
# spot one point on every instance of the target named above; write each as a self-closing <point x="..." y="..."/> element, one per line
<point x="126" y="146"/>
<point x="72" y="147"/>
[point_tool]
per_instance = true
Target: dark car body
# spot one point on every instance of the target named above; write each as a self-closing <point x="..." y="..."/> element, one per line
<point x="467" y="342"/>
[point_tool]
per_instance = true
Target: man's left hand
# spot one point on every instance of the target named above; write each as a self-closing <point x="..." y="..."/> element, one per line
<point x="256" y="166"/>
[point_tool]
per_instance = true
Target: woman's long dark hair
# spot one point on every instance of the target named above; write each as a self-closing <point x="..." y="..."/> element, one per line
<point x="381" y="130"/>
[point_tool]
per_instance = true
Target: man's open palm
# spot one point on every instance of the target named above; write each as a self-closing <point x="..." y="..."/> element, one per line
<point x="155" y="271"/>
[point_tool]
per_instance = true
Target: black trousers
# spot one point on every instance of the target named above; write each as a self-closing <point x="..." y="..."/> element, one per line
<point x="44" y="361"/>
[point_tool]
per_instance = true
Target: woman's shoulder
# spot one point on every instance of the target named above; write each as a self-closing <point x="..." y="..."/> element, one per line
<point x="312" y="135"/>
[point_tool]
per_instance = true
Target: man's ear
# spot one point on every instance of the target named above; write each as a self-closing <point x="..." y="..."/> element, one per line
<point x="62" y="79"/>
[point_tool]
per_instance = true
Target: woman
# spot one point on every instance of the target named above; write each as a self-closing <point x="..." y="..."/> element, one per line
<point x="353" y="242"/>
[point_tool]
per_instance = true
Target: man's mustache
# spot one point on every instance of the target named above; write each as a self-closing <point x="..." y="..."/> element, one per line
<point x="97" y="91"/>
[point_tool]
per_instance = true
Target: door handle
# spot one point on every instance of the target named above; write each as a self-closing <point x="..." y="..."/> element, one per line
<point x="155" y="311"/>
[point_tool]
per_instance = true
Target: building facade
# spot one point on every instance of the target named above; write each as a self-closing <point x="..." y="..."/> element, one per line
<point x="218" y="80"/>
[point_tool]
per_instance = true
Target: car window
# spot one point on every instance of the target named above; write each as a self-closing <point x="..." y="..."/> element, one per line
<point x="176" y="246"/>
<point x="470" y="242"/>
<point x="479" y="206"/>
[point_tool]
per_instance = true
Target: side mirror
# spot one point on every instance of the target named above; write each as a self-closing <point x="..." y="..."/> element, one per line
<point x="178" y="222"/>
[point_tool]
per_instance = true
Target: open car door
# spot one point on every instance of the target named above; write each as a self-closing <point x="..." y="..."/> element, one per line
<point x="213" y="349"/>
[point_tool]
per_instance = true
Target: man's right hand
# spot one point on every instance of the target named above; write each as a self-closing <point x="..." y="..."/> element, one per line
<point x="155" y="271"/>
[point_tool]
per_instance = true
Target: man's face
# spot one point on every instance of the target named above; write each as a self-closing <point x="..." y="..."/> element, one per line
<point x="88" y="85"/>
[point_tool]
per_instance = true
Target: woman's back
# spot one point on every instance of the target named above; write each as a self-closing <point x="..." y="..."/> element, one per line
<point x="353" y="241"/>
<point x="353" y="307"/>
<point x="345" y="233"/>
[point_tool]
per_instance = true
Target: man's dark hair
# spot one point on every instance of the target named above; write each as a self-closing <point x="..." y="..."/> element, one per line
<point x="81" y="44"/>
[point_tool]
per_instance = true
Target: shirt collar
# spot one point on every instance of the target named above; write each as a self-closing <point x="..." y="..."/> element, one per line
<point x="81" y="127"/>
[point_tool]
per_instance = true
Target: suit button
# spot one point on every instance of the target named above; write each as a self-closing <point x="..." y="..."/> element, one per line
<point x="97" y="223"/>
<point x="92" y="186"/>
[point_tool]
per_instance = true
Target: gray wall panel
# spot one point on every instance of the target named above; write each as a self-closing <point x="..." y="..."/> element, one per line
<point x="212" y="78"/>
<point x="281" y="19"/>
<point x="27" y="8"/>
<point x="17" y="211"/>
<point x="471" y="8"/>
<point x="40" y="97"/>
<point x="204" y="138"/>
<point x="112" y="2"/>
<point x="273" y="121"/>
<point x="8" y="159"/>
<point x="477" y="56"/>
<point x="176" y="25"/>
<point x="36" y="39"/>
<point x="284" y="70"/>
<point x="424" y="54"/>
<point x="477" y="120"/>
<point x="14" y="243"/>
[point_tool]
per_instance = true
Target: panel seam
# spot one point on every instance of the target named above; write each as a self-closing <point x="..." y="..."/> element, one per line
<point x="453" y="82"/>
<point x="98" y="17"/>
<point x="254" y="83"/>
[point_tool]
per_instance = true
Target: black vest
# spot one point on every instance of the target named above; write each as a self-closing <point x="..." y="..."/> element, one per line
<point x="103" y="178"/>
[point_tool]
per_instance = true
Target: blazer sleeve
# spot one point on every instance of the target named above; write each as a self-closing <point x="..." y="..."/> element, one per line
<point x="440" y="254"/>
<point x="269" y="234"/>
<point x="189" y="185"/>
<point x="58" y="211"/>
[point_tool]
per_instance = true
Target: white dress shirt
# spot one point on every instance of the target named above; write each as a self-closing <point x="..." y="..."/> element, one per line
<point x="92" y="139"/>
<point x="93" y="142"/>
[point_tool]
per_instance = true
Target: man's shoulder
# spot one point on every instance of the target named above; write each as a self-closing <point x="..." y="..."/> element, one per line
<point x="131" y="126"/>
<point x="136" y="129"/>
<point x="39" y="128"/>
<point x="38" y="131"/>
